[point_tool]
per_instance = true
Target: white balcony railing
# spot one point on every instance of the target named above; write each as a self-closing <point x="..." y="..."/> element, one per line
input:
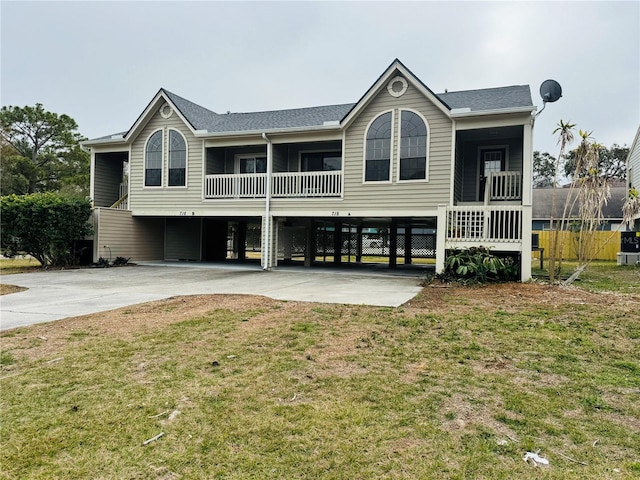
<point x="504" y="186"/>
<point x="307" y="184"/>
<point x="488" y="224"/>
<point x="243" y="185"/>
<point x="284" y="185"/>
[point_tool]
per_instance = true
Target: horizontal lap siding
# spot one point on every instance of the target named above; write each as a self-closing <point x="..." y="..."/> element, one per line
<point x="127" y="236"/>
<point x="400" y="195"/>
<point x="156" y="200"/>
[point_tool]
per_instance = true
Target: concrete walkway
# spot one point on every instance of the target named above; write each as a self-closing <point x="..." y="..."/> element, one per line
<point x="54" y="295"/>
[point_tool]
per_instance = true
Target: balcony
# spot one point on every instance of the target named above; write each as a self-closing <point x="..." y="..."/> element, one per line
<point x="284" y="185"/>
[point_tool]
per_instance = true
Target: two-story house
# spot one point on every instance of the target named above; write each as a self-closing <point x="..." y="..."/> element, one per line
<point x="402" y="174"/>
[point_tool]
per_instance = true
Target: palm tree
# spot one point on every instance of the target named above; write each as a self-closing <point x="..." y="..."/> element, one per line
<point x="564" y="131"/>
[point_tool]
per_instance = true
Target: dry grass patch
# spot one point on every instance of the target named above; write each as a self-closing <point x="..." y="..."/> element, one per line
<point x="458" y="383"/>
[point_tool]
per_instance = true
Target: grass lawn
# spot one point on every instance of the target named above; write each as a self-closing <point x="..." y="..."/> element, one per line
<point x="458" y="383"/>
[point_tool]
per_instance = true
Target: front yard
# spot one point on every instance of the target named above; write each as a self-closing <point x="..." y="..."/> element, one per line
<point x="458" y="383"/>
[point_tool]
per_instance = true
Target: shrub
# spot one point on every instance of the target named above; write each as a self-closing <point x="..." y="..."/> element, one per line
<point x="478" y="265"/>
<point x="45" y="226"/>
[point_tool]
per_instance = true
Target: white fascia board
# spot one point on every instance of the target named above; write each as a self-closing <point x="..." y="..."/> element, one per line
<point x="104" y="141"/>
<point x="268" y="131"/>
<point x="459" y="113"/>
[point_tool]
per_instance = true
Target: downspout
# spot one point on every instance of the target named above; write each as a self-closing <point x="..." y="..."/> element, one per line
<point x="266" y="248"/>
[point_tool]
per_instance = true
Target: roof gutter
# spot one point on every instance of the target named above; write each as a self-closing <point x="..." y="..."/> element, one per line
<point x="319" y="128"/>
<point x="464" y="112"/>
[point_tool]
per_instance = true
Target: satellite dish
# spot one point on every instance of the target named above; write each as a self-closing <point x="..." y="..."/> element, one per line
<point x="550" y="91"/>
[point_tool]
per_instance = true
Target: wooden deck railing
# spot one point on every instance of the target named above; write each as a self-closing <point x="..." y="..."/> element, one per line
<point x="503" y="186"/>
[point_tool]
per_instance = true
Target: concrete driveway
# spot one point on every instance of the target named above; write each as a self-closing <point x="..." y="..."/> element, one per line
<point x="54" y="295"/>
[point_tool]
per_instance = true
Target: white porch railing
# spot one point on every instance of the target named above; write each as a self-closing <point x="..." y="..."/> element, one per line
<point x="484" y="224"/>
<point x="123" y="200"/>
<point x="503" y="186"/>
<point x="284" y="185"/>
<point x="242" y="185"/>
<point x="307" y="184"/>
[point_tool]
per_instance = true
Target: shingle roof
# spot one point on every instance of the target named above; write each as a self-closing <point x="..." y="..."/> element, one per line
<point x="199" y="117"/>
<point x="489" y="98"/>
<point x="543" y="198"/>
<point x="202" y="118"/>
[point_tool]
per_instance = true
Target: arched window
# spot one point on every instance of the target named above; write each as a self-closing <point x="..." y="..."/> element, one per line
<point x="413" y="147"/>
<point x="153" y="161"/>
<point x="378" y="150"/>
<point x="177" y="159"/>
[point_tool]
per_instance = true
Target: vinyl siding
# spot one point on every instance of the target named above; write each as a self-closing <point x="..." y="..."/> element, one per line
<point x="127" y="236"/>
<point x="183" y="239"/>
<point x="149" y="200"/>
<point x="399" y="195"/>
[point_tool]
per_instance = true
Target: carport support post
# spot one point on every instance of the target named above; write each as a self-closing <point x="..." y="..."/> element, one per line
<point x="358" y="244"/>
<point x="310" y="247"/>
<point x="393" y="244"/>
<point x="242" y="241"/>
<point x="337" y="243"/>
<point x="408" y="244"/>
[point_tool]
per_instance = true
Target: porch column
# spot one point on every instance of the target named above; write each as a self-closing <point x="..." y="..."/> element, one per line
<point x="527" y="165"/>
<point x="441" y="237"/>
<point x="525" y="257"/>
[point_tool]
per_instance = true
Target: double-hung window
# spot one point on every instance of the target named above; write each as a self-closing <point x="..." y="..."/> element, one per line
<point x="153" y="160"/>
<point x="413" y="146"/>
<point x="378" y="150"/>
<point x="177" y="159"/>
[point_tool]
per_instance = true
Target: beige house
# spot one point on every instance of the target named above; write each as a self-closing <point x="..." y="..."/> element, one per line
<point x="402" y="175"/>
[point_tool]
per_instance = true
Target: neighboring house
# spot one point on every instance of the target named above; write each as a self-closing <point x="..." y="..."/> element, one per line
<point x="402" y="165"/>
<point x="543" y="199"/>
<point x="633" y="171"/>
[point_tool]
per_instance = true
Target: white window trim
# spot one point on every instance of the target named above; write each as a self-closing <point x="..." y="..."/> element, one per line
<point x="186" y="159"/>
<point x="426" y="159"/>
<point x="144" y="166"/>
<point x="391" y="149"/>
<point x="240" y="156"/>
<point x="330" y="150"/>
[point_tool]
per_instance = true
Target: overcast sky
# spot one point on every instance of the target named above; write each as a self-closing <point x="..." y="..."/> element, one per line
<point x="102" y="62"/>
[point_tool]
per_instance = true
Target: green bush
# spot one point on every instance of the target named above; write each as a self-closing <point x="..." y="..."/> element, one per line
<point x="478" y="265"/>
<point x="45" y="226"/>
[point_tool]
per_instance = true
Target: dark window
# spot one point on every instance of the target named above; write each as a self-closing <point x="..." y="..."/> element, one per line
<point x="378" y="149"/>
<point x="320" y="162"/>
<point x="413" y="147"/>
<point x="153" y="161"/>
<point x="253" y="165"/>
<point x="177" y="159"/>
